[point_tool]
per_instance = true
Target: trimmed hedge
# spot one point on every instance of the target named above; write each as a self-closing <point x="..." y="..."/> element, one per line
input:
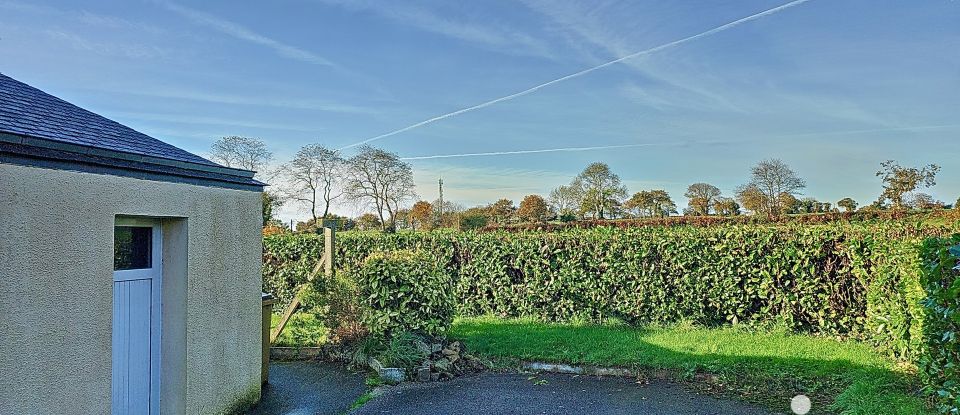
<point x="941" y="361"/>
<point x="405" y="291"/>
<point x="853" y="280"/>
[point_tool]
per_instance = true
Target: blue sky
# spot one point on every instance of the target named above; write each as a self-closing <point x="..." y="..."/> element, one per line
<point x="833" y="87"/>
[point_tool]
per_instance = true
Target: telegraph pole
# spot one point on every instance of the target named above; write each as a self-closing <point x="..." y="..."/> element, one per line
<point x="440" y="208"/>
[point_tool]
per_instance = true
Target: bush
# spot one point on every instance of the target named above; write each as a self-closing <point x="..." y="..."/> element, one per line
<point x="854" y="280"/>
<point x="941" y="362"/>
<point x="405" y="291"/>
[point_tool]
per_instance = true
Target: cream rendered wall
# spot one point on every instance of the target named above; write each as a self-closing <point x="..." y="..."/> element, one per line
<point x="56" y="272"/>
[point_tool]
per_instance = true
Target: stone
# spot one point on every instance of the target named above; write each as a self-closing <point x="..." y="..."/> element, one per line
<point x="423" y="348"/>
<point x="375" y="365"/>
<point x="434" y="377"/>
<point x="392" y="375"/>
<point x="441" y="365"/>
<point x="423" y="374"/>
<point x="436" y="348"/>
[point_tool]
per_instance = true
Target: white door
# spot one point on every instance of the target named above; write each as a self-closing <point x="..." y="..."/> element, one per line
<point x="136" y="317"/>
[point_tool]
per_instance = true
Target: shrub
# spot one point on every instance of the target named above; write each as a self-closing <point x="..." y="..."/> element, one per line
<point x="405" y="291"/>
<point x="941" y="362"/>
<point x="336" y="302"/>
<point x="854" y="280"/>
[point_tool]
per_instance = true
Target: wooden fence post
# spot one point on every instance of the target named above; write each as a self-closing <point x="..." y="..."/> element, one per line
<point x="328" y="250"/>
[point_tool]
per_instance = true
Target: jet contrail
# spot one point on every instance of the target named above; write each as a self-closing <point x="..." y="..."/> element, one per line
<point x="583" y="72"/>
<point x="545" y="150"/>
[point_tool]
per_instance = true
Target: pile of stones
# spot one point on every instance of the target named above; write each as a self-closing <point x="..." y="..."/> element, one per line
<point x="444" y="361"/>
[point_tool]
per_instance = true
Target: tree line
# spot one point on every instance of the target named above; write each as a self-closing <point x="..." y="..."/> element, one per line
<point x="381" y="183"/>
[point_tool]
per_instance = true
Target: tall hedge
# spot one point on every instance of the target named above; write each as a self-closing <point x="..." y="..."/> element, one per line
<point x="941" y="361"/>
<point x="857" y="280"/>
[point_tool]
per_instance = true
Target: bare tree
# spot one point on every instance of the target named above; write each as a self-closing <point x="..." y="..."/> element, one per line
<point x="240" y="153"/>
<point x="600" y="190"/>
<point x="564" y="200"/>
<point x="314" y="178"/>
<point x="898" y="181"/>
<point x="773" y="179"/>
<point x="381" y="180"/>
<point x="701" y="197"/>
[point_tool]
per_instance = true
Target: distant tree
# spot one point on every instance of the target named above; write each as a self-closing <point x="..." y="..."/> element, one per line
<point x="564" y="200"/>
<point x="241" y="153"/>
<point x="340" y="223"/>
<point x="789" y="203"/>
<point x="651" y="203"/>
<point x="368" y="221"/>
<point x="450" y="214"/>
<point x="501" y="211"/>
<point x="533" y="208"/>
<point x="270" y="203"/>
<point x="701" y="198"/>
<point x="771" y="178"/>
<point x="599" y="190"/>
<point x="752" y="199"/>
<point x="957" y="204"/>
<point x="474" y="218"/>
<point x="379" y="179"/>
<point x="898" y="180"/>
<point x="725" y="206"/>
<point x="313" y="178"/>
<point x="421" y="215"/>
<point x="923" y="201"/>
<point x="848" y="204"/>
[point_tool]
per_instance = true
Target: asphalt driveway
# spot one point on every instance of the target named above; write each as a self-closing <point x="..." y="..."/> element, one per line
<point x="309" y="388"/>
<point x="312" y="388"/>
<point x="494" y="393"/>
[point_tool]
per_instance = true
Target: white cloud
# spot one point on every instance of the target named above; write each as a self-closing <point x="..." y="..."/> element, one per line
<point x="486" y="33"/>
<point x="239" y="32"/>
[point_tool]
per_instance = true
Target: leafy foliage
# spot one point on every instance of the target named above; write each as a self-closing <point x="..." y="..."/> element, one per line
<point x="898" y="180"/>
<point x="854" y="280"/>
<point x="405" y="291"/>
<point x="941" y="362"/>
<point x="533" y="208"/>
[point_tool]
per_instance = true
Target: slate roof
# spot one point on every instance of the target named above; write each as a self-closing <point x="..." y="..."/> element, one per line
<point x="26" y="110"/>
<point x="49" y="128"/>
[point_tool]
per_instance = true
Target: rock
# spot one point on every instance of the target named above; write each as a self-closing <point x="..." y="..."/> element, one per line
<point x="375" y="365"/>
<point x="392" y="375"/>
<point x="456" y="346"/>
<point x="423" y="374"/>
<point x="423" y="347"/>
<point x="434" y="377"/>
<point x="436" y="348"/>
<point x="441" y="365"/>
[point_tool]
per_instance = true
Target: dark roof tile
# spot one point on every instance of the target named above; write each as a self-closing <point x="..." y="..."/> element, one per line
<point x="25" y="110"/>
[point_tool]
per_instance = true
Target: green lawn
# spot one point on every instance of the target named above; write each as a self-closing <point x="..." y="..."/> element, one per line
<point x="764" y="367"/>
<point x="303" y="330"/>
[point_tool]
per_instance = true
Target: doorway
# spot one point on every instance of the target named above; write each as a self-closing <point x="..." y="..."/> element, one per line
<point x="138" y="269"/>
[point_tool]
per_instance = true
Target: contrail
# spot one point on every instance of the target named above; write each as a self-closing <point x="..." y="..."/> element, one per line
<point x="545" y="150"/>
<point x="682" y="143"/>
<point x="584" y="72"/>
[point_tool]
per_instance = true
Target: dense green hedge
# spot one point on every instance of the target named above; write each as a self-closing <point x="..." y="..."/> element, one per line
<point x="941" y="361"/>
<point x="857" y="280"/>
<point x="405" y="291"/>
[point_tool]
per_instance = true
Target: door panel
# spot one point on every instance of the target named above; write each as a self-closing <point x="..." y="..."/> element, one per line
<point x="132" y="322"/>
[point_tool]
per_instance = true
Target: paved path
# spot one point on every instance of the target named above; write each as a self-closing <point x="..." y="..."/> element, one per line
<point x="309" y="388"/>
<point x="492" y="393"/>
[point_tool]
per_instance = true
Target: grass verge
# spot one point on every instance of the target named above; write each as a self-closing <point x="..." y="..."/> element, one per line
<point x="303" y="330"/>
<point x="766" y="367"/>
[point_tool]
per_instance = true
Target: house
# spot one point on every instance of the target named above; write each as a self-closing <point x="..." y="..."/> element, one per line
<point x="129" y="268"/>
